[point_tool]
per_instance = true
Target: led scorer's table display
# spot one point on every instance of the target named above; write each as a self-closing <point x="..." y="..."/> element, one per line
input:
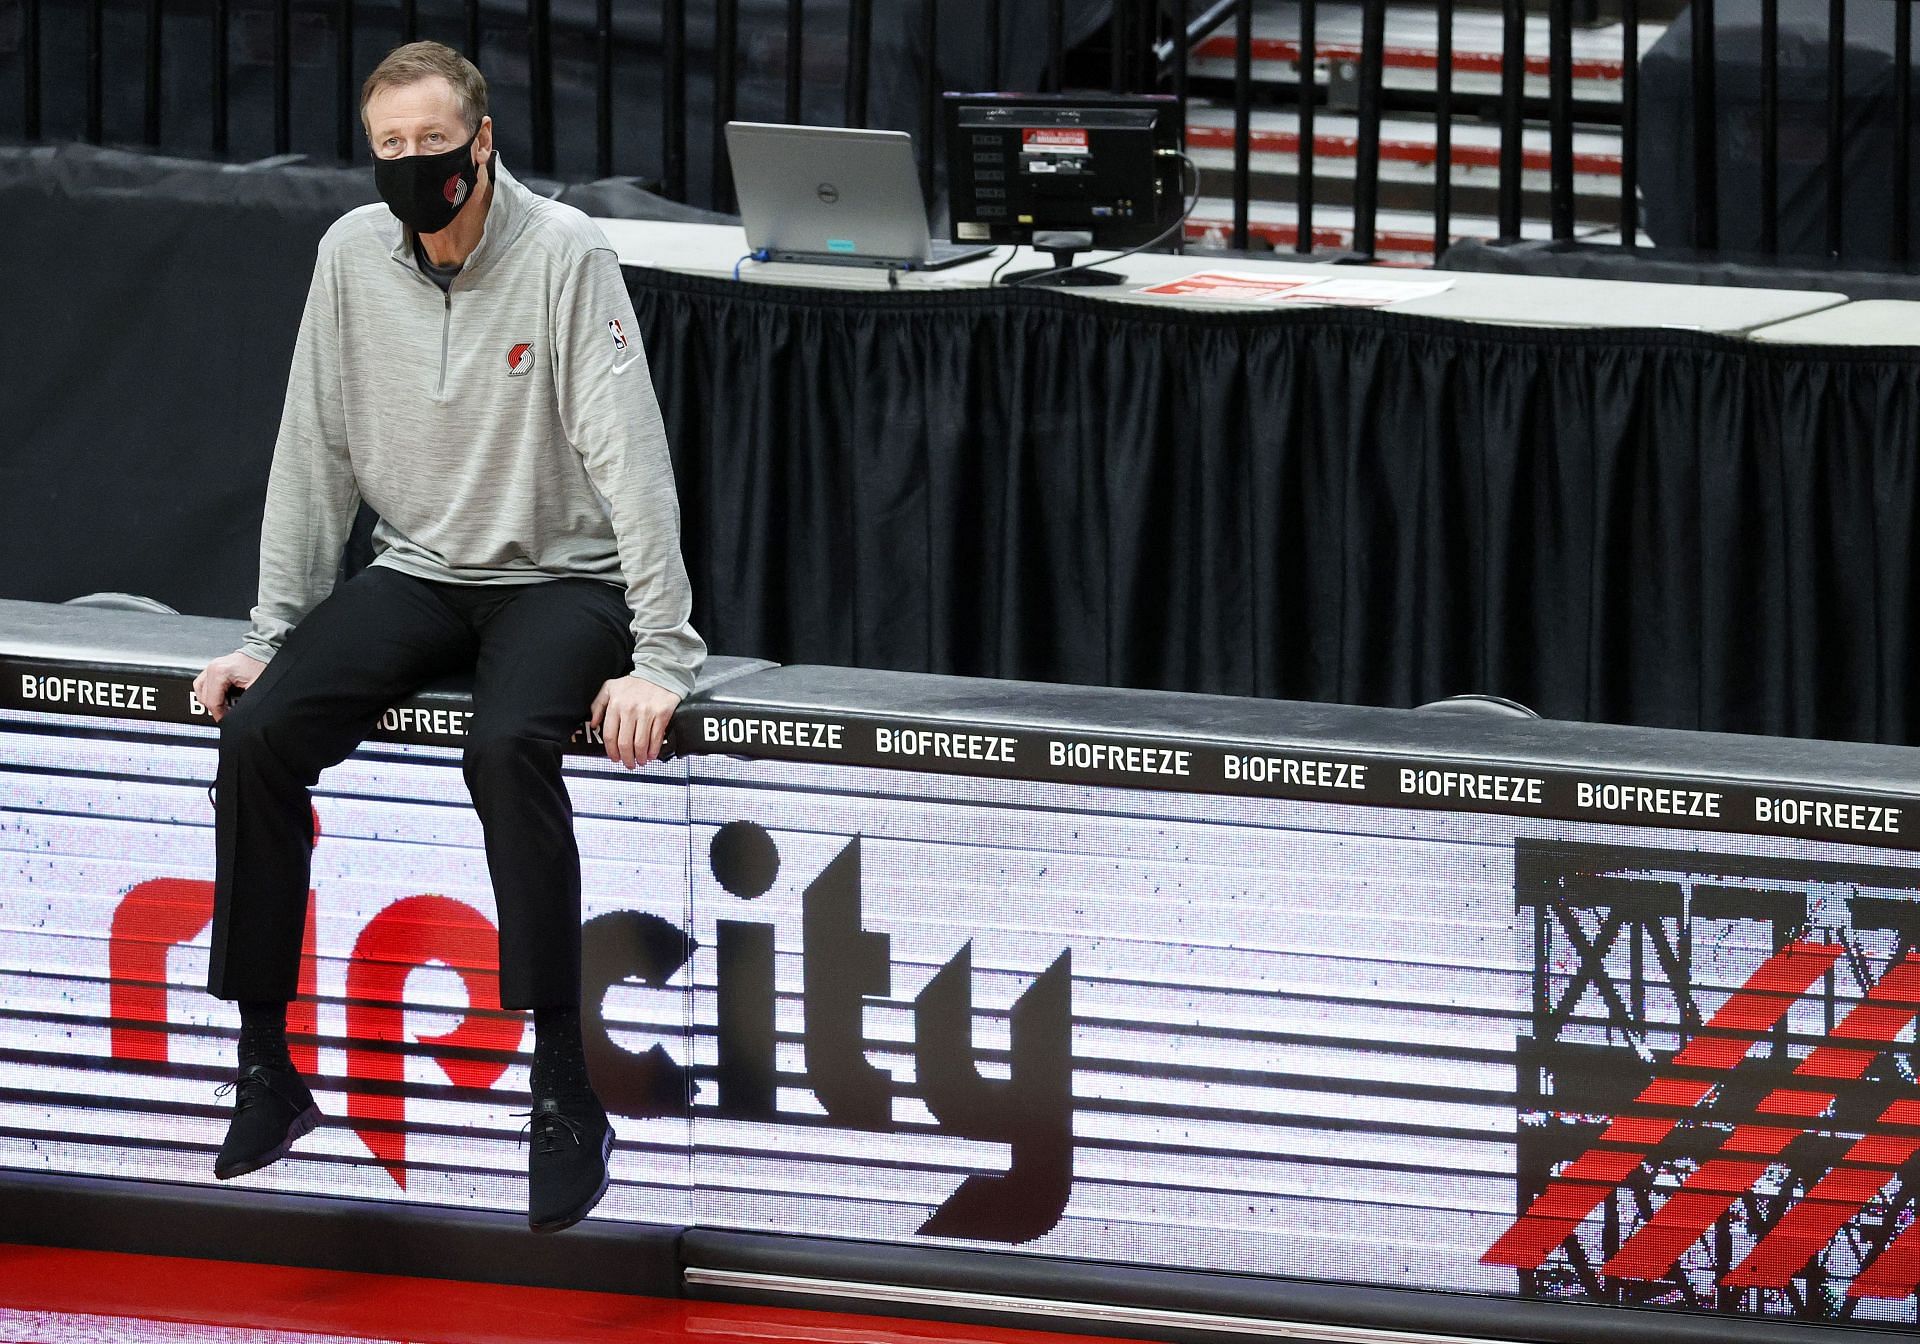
<point x="1342" y="1015"/>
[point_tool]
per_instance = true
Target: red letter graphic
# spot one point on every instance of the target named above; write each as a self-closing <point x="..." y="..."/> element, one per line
<point x="150" y="920"/>
<point x="411" y="933"/>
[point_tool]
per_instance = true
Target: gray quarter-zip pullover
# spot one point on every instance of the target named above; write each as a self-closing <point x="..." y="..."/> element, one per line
<point x="506" y="431"/>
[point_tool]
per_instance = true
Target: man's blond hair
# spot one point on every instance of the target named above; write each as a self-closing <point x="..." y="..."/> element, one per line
<point x="423" y="60"/>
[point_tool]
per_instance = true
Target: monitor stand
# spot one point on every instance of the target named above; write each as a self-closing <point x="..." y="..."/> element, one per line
<point x="1061" y="246"/>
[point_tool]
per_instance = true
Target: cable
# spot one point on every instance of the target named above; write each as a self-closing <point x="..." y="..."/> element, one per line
<point x="994" y="279"/>
<point x="1192" y="202"/>
<point x="758" y="254"/>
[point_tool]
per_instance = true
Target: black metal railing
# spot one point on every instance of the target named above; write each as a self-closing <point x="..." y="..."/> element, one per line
<point x="1712" y="146"/>
<point x="1711" y="142"/>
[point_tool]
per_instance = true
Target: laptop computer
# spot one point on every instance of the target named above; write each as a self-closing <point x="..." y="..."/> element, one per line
<point x="828" y="194"/>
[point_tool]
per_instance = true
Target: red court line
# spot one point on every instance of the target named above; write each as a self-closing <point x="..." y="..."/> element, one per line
<point x="427" y="1311"/>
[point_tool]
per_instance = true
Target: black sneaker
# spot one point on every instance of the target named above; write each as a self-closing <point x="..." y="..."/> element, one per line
<point x="567" y="1160"/>
<point x="271" y="1108"/>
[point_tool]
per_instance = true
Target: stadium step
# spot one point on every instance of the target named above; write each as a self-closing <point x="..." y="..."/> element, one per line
<point x="1408" y="141"/>
<point x="1412" y="54"/>
<point x="1409" y="148"/>
<point x="1400" y="237"/>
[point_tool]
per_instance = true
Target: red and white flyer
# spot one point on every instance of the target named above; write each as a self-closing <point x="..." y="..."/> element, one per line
<point x="1234" y="285"/>
<point x="1359" y="291"/>
<point x="1346" y="291"/>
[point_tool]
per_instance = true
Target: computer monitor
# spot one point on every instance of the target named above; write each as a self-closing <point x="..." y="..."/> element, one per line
<point x="1063" y="172"/>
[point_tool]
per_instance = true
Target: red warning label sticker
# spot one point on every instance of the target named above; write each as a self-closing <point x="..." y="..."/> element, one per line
<point x="1053" y="140"/>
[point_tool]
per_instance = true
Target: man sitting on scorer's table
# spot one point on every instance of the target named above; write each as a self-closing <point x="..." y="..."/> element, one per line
<point x="468" y="365"/>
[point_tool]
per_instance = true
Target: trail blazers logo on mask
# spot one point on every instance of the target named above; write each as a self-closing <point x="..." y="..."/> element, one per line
<point x="519" y="360"/>
<point x="456" y="190"/>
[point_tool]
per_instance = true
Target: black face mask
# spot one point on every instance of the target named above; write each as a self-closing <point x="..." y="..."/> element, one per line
<point x="425" y="191"/>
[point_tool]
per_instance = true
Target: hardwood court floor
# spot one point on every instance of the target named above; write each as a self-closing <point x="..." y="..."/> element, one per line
<point x="50" y="1296"/>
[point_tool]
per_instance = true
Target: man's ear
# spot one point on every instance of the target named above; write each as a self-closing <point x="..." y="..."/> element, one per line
<point x="483" y="141"/>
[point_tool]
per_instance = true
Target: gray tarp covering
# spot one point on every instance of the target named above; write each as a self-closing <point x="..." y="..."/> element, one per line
<point x="1666" y="128"/>
<point x="1591" y="262"/>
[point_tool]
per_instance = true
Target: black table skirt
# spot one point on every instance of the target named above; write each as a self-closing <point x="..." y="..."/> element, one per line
<point x="1648" y="526"/>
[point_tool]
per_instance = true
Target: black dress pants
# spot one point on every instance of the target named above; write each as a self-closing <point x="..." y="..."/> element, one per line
<point x="539" y="653"/>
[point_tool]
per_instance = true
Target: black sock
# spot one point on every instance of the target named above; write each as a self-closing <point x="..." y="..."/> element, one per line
<point x="263" y="1034"/>
<point x="559" y="1055"/>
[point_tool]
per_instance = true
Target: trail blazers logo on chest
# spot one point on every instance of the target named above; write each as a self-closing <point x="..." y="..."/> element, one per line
<point x="520" y="360"/>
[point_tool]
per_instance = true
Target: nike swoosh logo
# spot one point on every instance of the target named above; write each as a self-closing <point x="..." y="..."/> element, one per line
<point x="631" y="361"/>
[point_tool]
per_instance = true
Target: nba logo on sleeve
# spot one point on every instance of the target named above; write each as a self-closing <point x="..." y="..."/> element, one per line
<point x="619" y="334"/>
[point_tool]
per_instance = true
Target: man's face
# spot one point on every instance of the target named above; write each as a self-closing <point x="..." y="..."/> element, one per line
<point x="421" y="118"/>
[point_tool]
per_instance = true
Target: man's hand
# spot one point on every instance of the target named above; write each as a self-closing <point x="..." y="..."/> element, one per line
<point x="217" y="679"/>
<point x="632" y="715"/>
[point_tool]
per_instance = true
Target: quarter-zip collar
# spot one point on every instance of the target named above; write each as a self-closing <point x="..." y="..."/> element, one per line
<point x="508" y="208"/>
<point x="507" y="213"/>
